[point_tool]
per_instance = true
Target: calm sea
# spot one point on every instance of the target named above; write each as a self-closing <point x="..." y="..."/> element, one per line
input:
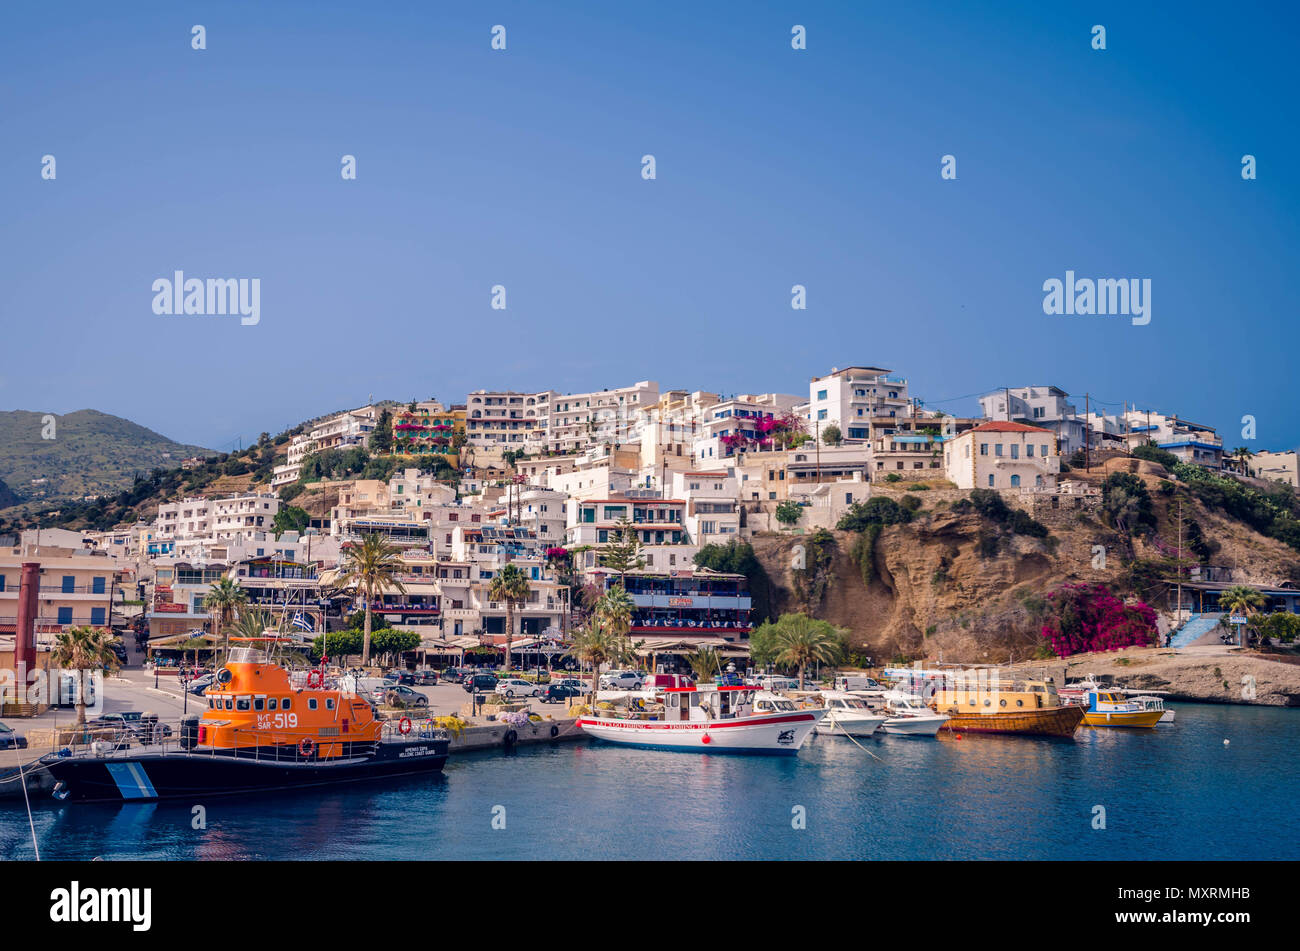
<point x="1175" y="792"/>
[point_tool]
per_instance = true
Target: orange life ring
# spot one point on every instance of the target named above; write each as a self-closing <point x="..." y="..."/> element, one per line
<point x="404" y="725"/>
<point x="306" y="746"/>
<point x="315" y="679"/>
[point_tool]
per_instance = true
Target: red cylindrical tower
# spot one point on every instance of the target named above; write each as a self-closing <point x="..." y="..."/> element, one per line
<point x="29" y="588"/>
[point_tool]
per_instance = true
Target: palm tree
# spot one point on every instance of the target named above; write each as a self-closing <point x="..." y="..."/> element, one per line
<point x="801" y="640"/>
<point x="225" y="598"/>
<point x="251" y="624"/>
<point x="596" y="644"/>
<point x="615" y="609"/>
<point x="373" y="568"/>
<point x="82" y="649"/>
<point x="704" y="663"/>
<point x="511" y="586"/>
<point x="1243" y="457"/>
<point x="1241" y="599"/>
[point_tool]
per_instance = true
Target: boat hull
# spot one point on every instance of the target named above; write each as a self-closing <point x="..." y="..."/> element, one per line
<point x="1052" y="721"/>
<point x="783" y="734"/>
<point x="913" y="726"/>
<point x="186" y="775"/>
<point x="1132" y="719"/>
<point x="860" y="727"/>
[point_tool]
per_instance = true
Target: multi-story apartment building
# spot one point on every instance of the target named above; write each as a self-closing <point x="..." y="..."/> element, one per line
<point x="1002" y="455"/>
<point x="343" y="431"/>
<point x="580" y="420"/>
<point x="429" y="429"/>
<point x="1277" y="466"/>
<point x="1188" y="441"/>
<point x="688" y="606"/>
<point x="542" y="511"/>
<point x="850" y="398"/>
<point x="76" y="587"/>
<point x="1047" y="407"/>
<point x="508" y="420"/>
<point x="242" y="516"/>
<point x="712" y="512"/>
<point x="659" y="525"/>
<point x="742" y="423"/>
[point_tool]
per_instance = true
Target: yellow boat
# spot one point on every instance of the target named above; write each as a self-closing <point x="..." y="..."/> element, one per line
<point x="1025" y="707"/>
<point x="1114" y="709"/>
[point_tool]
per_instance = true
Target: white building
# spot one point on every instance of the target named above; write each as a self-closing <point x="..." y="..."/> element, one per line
<point x="851" y="398"/>
<point x="580" y="420"/>
<point x="1045" y="406"/>
<point x="712" y="512"/>
<point x="1002" y="455"/>
<point x="1277" y="466"/>
<point x="506" y="419"/>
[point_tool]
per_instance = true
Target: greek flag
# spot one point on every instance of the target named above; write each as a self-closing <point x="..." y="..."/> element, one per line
<point x="302" y="622"/>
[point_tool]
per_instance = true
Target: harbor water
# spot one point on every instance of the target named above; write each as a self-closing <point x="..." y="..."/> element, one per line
<point x="1176" y="792"/>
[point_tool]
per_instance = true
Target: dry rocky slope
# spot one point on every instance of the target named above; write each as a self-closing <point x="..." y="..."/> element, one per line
<point x="930" y="593"/>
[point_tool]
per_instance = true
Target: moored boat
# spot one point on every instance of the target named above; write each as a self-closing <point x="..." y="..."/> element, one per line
<point x="703" y="719"/>
<point x="1107" y="708"/>
<point x="261" y="732"/>
<point x="994" y="705"/>
<point x="847" y="715"/>
<point x="907" y="715"/>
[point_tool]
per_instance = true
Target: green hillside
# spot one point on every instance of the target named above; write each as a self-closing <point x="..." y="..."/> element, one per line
<point x="91" y="453"/>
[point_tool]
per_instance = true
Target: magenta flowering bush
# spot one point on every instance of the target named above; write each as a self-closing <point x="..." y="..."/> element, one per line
<point x="1087" y="617"/>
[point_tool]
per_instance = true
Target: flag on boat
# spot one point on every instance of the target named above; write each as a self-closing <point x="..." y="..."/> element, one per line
<point x="302" y="622"/>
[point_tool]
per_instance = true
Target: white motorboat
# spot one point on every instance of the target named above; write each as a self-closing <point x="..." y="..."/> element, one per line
<point x="1155" y="703"/>
<point x="909" y="716"/>
<point x="847" y="715"/>
<point x="703" y="719"/>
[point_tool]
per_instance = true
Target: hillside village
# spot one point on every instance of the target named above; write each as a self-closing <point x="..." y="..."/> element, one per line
<point x="916" y="533"/>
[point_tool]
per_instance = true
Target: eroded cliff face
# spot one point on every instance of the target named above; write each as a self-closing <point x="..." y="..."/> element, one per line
<point x="962" y="587"/>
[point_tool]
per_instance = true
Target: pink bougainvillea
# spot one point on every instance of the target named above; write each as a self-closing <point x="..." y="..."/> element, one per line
<point x="1088" y="617"/>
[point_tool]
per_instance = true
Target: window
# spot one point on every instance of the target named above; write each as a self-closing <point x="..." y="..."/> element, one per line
<point x="270" y="704"/>
<point x="1044" y="448"/>
<point x="69" y="584"/>
<point x="97" y="585"/>
<point x="984" y="449"/>
<point x="997" y="449"/>
<point x="241" y="703"/>
<point x="97" y="616"/>
<point x="259" y="703"/>
<point x="1015" y="481"/>
<point x="821" y="414"/>
<point x="65" y="615"/>
<point x="990" y="481"/>
<point x="821" y="395"/>
<point x="1015" y="451"/>
<point x="286" y="704"/>
<point x="329" y="703"/>
<point x="311" y="702"/>
<point x="1029" y="451"/>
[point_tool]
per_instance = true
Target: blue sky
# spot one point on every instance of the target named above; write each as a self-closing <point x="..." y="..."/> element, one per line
<point x="522" y="168"/>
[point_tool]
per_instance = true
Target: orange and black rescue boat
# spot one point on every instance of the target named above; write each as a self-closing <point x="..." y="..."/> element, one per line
<point x="261" y="732"/>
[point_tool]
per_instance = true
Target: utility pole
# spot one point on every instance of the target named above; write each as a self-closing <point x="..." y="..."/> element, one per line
<point x="1087" y="430"/>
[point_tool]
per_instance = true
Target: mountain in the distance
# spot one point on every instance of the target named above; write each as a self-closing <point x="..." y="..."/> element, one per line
<point x="80" y="454"/>
<point x="7" y="497"/>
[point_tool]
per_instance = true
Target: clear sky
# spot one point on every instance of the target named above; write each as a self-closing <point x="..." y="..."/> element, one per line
<point x="523" y="168"/>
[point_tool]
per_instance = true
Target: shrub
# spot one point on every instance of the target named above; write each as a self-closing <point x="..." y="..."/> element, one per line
<point x="1088" y="617"/>
<point x="893" y="477"/>
<point x="1153" y="453"/>
<point x="877" y="510"/>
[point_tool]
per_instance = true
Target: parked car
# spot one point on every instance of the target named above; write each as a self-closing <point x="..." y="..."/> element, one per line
<point x="517" y="688"/>
<point x="9" y="740"/>
<point x="425" y="678"/>
<point x="483" y="683"/>
<point x="620" y="680"/>
<point x="579" y="685"/>
<point x="400" y="695"/>
<point x="126" y="724"/>
<point x="555" y="693"/>
<point x="119" y="651"/>
<point x="198" y="685"/>
<point x="455" y="675"/>
<point x="400" y="677"/>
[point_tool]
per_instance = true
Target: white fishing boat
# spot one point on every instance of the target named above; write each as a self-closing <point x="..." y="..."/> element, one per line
<point x="702" y="719"/>
<point x="847" y="715"/>
<point x="1155" y="703"/>
<point x="909" y="716"/>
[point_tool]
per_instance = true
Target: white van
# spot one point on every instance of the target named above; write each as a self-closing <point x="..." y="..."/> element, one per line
<point x="852" y="682"/>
